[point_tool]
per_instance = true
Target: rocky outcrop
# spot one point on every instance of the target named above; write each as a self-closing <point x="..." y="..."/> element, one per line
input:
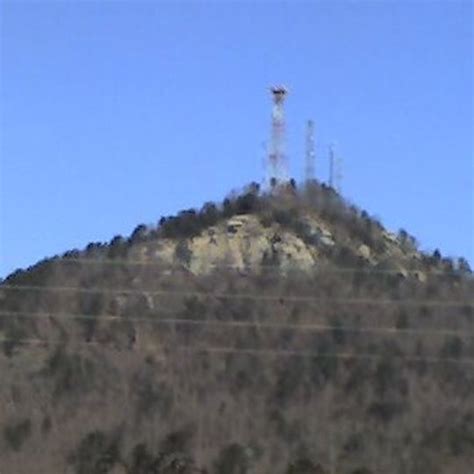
<point x="242" y="242"/>
<point x="245" y="242"/>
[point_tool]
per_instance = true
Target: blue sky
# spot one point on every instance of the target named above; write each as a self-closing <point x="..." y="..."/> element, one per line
<point x="115" y="113"/>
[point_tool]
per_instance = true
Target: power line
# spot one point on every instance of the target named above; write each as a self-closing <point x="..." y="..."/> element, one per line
<point x="203" y="350"/>
<point x="316" y="269"/>
<point x="328" y="355"/>
<point x="282" y="298"/>
<point x="236" y="324"/>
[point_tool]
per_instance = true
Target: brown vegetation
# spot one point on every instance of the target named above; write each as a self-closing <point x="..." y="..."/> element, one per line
<point x="115" y="367"/>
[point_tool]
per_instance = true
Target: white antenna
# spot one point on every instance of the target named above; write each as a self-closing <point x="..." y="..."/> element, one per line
<point x="310" y="151"/>
<point x="331" y="165"/>
<point x="338" y="175"/>
<point x="335" y="170"/>
<point x="264" y="163"/>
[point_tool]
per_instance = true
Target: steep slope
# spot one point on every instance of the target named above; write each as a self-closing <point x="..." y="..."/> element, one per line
<point x="277" y="333"/>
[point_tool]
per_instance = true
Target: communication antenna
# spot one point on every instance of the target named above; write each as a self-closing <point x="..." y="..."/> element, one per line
<point x="264" y="159"/>
<point x="310" y="151"/>
<point x="331" y="165"/>
<point x="277" y="171"/>
<point x="338" y="175"/>
<point x="335" y="170"/>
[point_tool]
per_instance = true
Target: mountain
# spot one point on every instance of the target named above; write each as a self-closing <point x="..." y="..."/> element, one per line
<point x="278" y="332"/>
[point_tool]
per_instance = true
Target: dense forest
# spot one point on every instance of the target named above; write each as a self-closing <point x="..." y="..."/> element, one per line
<point x="115" y="360"/>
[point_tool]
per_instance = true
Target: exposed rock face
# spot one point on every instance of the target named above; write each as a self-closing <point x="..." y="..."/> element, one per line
<point x="364" y="252"/>
<point x="243" y="242"/>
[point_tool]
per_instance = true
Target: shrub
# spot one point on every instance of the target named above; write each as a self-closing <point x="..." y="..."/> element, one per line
<point x="90" y="304"/>
<point x="304" y="466"/>
<point x="463" y="265"/>
<point x="177" y="441"/>
<point x="183" y="253"/>
<point x="186" y="224"/>
<point x="354" y="443"/>
<point x="194" y="309"/>
<point x="385" y="374"/>
<point x="246" y="204"/>
<point x="14" y="334"/>
<point x="72" y="254"/>
<point x="270" y="258"/>
<point x="436" y="256"/>
<point x="46" y="424"/>
<point x="150" y="396"/>
<point x="117" y="247"/>
<point x="170" y="459"/>
<point x="461" y="440"/>
<point x="94" y="248"/>
<point x="209" y="214"/>
<point x="452" y="347"/>
<point x="289" y="379"/>
<point x="139" y="234"/>
<point x="345" y="257"/>
<point x="384" y="411"/>
<point x="142" y="461"/>
<point x="284" y="217"/>
<point x="338" y="333"/>
<point x="323" y="367"/>
<point x="402" y="320"/>
<point x="233" y="459"/>
<point x="96" y="454"/>
<point x="228" y="208"/>
<point x="72" y="373"/>
<point x="16" y="434"/>
<point x="407" y="241"/>
<point x="461" y="437"/>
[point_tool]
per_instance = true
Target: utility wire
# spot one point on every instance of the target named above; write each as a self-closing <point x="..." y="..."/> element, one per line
<point x="203" y="350"/>
<point x="316" y="268"/>
<point x="128" y="291"/>
<point x="238" y="324"/>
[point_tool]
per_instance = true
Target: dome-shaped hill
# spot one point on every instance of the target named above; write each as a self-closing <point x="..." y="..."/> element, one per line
<point x="281" y="332"/>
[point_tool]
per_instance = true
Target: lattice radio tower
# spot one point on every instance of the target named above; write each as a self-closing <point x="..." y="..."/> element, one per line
<point x="277" y="166"/>
<point x="310" y="152"/>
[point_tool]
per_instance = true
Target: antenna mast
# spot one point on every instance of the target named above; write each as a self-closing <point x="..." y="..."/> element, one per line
<point x="338" y="175"/>
<point x="331" y="165"/>
<point x="335" y="170"/>
<point x="310" y="151"/>
<point x="277" y="160"/>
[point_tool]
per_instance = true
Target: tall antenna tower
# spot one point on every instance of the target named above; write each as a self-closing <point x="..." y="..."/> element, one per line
<point x="277" y="159"/>
<point x="338" y="175"/>
<point x="310" y="151"/>
<point x="331" y="165"/>
<point x="335" y="170"/>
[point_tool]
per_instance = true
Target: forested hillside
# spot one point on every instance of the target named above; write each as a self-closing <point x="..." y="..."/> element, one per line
<point x="279" y="332"/>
